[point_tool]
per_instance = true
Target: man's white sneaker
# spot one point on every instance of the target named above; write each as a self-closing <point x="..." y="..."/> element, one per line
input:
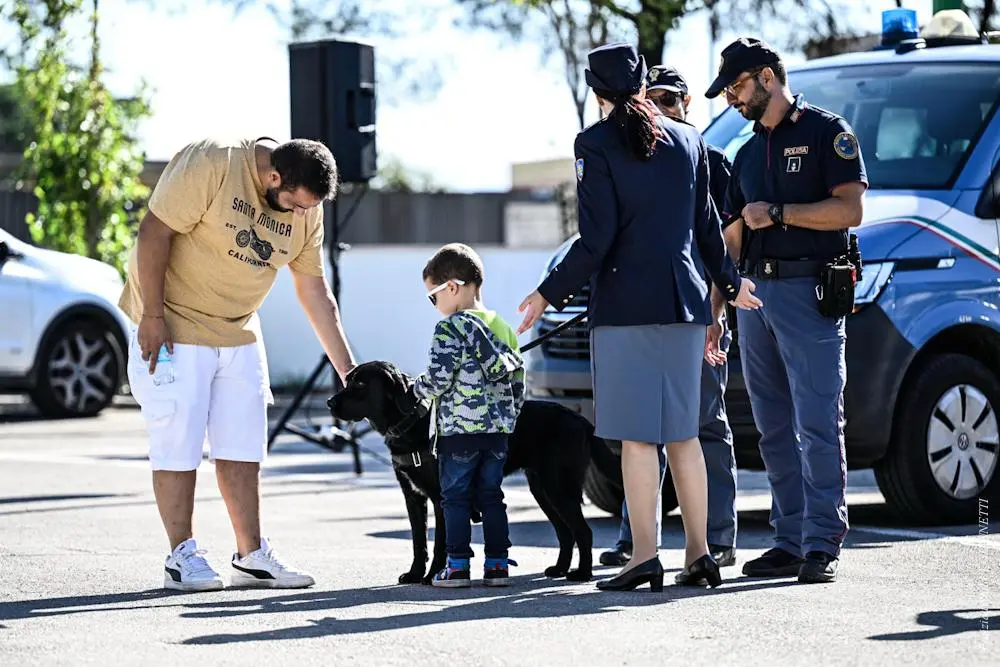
<point x="263" y="569"/>
<point x="187" y="570"/>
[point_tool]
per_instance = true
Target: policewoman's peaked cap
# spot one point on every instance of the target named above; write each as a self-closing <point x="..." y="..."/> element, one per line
<point x="616" y="68"/>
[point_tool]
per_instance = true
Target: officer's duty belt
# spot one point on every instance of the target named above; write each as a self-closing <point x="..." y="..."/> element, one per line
<point x="786" y="268"/>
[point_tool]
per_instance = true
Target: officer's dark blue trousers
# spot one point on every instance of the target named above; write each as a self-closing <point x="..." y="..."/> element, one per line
<point x="717" y="448"/>
<point x="795" y="372"/>
<point x="720" y="463"/>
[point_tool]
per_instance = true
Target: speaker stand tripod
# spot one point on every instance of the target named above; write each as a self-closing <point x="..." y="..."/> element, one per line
<point x="341" y="434"/>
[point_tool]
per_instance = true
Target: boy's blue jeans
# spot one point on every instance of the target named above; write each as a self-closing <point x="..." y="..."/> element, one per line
<point x="471" y="471"/>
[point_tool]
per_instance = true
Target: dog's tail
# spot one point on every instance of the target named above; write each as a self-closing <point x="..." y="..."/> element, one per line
<point x="601" y="454"/>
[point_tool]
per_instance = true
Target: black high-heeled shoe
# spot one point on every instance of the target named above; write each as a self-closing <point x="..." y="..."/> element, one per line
<point x="651" y="571"/>
<point x="703" y="570"/>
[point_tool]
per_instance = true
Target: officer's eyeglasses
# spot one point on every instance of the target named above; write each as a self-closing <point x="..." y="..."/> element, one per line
<point x="432" y="295"/>
<point x="734" y="88"/>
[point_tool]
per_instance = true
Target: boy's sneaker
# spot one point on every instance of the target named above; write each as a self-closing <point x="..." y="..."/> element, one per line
<point x="454" y="575"/>
<point x="495" y="572"/>
<point x="187" y="570"/>
<point x="263" y="569"/>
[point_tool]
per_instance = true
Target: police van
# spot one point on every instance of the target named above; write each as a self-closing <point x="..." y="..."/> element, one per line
<point x="923" y="344"/>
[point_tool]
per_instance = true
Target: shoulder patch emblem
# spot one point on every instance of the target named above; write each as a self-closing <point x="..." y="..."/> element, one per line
<point x="846" y="145"/>
<point x="579" y="169"/>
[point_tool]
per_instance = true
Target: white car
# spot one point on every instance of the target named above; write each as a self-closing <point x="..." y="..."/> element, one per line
<point x="63" y="339"/>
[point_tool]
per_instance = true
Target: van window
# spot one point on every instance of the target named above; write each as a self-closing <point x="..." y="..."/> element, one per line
<point x="915" y="123"/>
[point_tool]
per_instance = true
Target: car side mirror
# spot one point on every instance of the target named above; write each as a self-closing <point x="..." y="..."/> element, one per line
<point x="7" y="253"/>
<point x="988" y="205"/>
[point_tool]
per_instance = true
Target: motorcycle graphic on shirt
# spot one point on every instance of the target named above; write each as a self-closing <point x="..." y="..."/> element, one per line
<point x="249" y="237"/>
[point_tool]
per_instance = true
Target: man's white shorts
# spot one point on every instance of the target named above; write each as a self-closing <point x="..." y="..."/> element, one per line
<point x="218" y="392"/>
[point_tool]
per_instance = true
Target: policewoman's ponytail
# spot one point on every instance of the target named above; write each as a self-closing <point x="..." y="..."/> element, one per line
<point x="636" y="125"/>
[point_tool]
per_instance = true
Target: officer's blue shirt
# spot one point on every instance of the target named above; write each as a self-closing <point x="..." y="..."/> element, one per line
<point x="640" y="226"/>
<point x="719" y="169"/>
<point x="801" y="161"/>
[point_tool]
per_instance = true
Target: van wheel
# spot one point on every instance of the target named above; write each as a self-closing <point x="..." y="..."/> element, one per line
<point x="78" y="371"/>
<point x="603" y="481"/>
<point x="946" y="443"/>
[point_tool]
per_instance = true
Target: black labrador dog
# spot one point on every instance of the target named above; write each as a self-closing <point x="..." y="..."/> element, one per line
<point x="550" y="443"/>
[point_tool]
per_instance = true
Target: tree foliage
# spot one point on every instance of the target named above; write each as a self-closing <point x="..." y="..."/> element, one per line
<point x="83" y="161"/>
<point x="574" y="27"/>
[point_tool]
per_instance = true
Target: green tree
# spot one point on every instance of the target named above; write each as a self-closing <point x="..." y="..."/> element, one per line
<point x="648" y="23"/>
<point x="83" y="161"/>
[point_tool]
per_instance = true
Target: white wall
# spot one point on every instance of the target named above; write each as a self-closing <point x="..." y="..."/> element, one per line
<point x="385" y="310"/>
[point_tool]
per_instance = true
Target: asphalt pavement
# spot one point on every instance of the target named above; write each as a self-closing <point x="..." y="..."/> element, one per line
<point x="82" y="550"/>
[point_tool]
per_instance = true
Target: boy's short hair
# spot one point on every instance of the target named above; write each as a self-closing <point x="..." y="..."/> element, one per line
<point x="455" y="261"/>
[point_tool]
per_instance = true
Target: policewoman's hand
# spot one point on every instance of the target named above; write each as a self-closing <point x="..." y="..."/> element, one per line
<point x="153" y="333"/>
<point x="756" y="216"/>
<point x="745" y="299"/>
<point x="532" y="307"/>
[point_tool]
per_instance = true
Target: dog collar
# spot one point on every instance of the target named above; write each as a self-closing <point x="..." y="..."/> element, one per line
<point x="413" y="458"/>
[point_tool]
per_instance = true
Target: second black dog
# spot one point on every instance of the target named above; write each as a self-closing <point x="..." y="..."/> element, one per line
<point x="550" y="443"/>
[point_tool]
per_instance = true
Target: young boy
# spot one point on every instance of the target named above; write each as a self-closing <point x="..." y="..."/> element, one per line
<point x="476" y="382"/>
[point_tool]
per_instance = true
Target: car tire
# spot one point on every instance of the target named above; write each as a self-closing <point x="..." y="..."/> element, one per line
<point x="941" y="417"/>
<point x="78" y="370"/>
<point x="604" y="486"/>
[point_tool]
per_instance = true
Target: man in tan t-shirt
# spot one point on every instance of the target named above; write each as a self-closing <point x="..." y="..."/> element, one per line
<point x="223" y="218"/>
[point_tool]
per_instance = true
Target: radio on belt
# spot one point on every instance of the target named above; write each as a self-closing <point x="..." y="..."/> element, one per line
<point x="835" y="291"/>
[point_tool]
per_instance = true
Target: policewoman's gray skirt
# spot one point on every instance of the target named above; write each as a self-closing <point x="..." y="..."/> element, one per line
<point x="647" y="381"/>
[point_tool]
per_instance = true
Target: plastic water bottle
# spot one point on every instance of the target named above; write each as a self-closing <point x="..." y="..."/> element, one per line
<point x="164" y="373"/>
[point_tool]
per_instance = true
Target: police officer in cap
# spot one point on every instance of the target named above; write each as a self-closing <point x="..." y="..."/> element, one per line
<point x="667" y="89"/>
<point x="796" y="189"/>
<point x="642" y="192"/>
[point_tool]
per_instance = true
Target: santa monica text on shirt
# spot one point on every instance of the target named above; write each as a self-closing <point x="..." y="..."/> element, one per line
<point x="280" y="228"/>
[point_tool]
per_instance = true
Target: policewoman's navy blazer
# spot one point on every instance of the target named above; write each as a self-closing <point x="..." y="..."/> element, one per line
<point x="639" y="223"/>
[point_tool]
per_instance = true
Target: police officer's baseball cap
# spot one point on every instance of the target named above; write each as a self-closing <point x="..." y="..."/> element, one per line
<point x="746" y="53"/>
<point x="615" y="69"/>
<point x="666" y="78"/>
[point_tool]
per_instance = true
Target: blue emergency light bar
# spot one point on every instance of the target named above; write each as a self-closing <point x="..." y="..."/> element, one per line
<point x="899" y="25"/>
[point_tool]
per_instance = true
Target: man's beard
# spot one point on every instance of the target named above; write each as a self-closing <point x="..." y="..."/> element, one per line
<point x="271" y="197"/>
<point x="755" y="108"/>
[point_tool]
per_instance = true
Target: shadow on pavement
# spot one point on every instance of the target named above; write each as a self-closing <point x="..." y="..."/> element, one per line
<point x="944" y="623"/>
<point x="72" y="605"/>
<point x="526" y="598"/>
<point x="18" y="500"/>
<point x="529" y="596"/>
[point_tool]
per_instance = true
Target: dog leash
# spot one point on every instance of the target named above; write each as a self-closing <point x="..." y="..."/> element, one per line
<point x="554" y="332"/>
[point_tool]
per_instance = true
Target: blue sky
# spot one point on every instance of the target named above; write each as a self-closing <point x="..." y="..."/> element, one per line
<point x="213" y="72"/>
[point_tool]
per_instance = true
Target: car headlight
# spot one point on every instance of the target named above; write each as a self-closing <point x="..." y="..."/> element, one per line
<point x="873" y="280"/>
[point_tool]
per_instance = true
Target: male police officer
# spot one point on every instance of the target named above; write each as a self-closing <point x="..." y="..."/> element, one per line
<point x="797" y="186"/>
<point x="668" y="91"/>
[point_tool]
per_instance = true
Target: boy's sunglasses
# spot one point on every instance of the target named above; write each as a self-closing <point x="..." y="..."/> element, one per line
<point x="431" y="296"/>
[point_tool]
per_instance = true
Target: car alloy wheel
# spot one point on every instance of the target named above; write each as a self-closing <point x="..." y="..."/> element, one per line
<point x="81" y="371"/>
<point x="962" y="442"/>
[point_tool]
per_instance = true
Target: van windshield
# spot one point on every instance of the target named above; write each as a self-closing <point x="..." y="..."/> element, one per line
<point x="915" y="123"/>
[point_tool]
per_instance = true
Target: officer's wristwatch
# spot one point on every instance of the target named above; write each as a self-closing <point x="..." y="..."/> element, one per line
<point x="777" y="214"/>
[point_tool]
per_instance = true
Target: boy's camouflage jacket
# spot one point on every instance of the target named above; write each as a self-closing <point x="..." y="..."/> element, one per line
<point x="476" y="377"/>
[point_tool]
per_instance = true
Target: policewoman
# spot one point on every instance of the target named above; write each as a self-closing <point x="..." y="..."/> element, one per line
<point x="667" y="89"/>
<point x="642" y="191"/>
<point x="797" y="186"/>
